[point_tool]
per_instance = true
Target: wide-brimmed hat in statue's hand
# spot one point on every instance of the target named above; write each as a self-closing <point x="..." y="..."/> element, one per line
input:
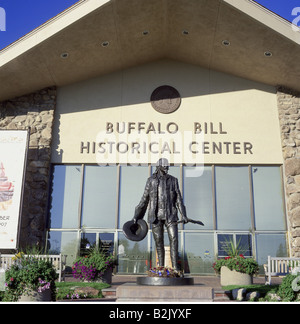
<point x="135" y="230"/>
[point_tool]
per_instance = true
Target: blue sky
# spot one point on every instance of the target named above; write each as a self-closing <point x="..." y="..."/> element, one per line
<point x="22" y="16"/>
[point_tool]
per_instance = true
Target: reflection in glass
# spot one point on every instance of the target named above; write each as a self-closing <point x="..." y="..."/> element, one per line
<point x="198" y="199"/>
<point x="244" y="242"/>
<point x="224" y="241"/>
<point x="270" y="244"/>
<point x="99" y="197"/>
<point x="88" y="242"/>
<point x="196" y="252"/>
<point x="132" y="256"/>
<point x="65" y="243"/>
<point x="268" y="199"/>
<point x="233" y="198"/>
<point x="228" y="242"/>
<point x="106" y="242"/>
<point x="65" y="196"/>
<point x="199" y="253"/>
<point x="132" y="184"/>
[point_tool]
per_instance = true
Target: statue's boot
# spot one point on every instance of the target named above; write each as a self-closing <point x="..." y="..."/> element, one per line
<point x="174" y="260"/>
<point x="161" y="256"/>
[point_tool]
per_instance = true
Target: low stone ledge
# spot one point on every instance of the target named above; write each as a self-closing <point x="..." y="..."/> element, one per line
<point x="131" y="292"/>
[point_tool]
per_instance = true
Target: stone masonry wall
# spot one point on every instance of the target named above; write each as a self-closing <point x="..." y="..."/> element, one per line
<point x="36" y="111"/>
<point x="289" y="116"/>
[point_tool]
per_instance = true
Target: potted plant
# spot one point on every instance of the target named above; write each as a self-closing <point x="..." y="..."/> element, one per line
<point x="96" y="265"/>
<point x="235" y="269"/>
<point x="30" y="279"/>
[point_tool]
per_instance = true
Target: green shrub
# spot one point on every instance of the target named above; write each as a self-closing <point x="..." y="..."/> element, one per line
<point x="238" y="263"/>
<point x="92" y="266"/>
<point x="285" y="291"/>
<point x="29" y="273"/>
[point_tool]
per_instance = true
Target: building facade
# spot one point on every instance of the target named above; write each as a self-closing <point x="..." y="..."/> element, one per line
<point x="230" y="129"/>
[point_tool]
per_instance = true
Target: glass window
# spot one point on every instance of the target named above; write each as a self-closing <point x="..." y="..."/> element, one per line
<point x="133" y="257"/>
<point x="65" y="196"/>
<point x="88" y="242"/>
<point x="99" y="197"/>
<point x="106" y="242"/>
<point x="233" y="198"/>
<point x="132" y="184"/>
<point x="65" y="243"/>
<point x="243" y="242"/>
<point x="270" y="244"/>
<point x="198" y="199"/>
<point x="199" y="253"/>
<point x="268" y="199"/>
<point x="224" y="244"/>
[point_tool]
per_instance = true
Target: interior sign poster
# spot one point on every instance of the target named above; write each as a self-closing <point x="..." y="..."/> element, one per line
<point x="13" y="156"/>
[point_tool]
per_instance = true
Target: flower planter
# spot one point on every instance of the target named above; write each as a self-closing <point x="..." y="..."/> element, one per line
<point x="232" y="277"/>
<point x="107" y="276"/>
<point x="34" y="296"/>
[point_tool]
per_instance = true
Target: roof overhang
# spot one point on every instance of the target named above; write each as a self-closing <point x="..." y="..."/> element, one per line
<point x="140" y="31"/>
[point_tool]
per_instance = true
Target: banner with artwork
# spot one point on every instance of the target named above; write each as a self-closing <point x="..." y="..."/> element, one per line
<point x="13" y="153"/>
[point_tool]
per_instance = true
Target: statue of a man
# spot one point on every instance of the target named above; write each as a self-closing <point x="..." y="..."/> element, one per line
<point x="163" y="196"/>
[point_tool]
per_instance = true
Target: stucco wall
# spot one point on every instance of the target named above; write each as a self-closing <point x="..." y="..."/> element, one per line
<point x="247" y="110"/>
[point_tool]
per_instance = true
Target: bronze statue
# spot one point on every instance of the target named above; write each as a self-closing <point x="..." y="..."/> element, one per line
<point x="163" y="196"/>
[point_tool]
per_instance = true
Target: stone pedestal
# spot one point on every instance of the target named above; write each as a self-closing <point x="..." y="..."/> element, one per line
<point x="161" y="281"/>
<point x="131" y="292"/>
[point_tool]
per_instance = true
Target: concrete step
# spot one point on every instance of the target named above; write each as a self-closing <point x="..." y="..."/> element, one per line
<point x="219" y="295"/>
<point x="222" y="296"/>
<point x="110" y="293"/>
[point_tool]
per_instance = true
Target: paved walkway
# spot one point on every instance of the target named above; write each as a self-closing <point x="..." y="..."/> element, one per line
<point x="208" y="281"/>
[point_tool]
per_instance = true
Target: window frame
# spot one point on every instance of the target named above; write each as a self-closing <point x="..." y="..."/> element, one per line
<point x="117" y="230"/>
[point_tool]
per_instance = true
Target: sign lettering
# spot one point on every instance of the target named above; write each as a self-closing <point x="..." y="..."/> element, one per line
<point x="141" y="142"/>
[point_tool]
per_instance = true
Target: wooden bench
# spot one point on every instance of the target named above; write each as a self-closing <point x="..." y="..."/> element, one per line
<point x="279" y="266"/>
<point x="58" y="261"/>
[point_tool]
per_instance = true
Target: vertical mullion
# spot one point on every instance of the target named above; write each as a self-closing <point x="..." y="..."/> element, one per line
<point x="181" y="187"/>
<point x="116" y="232"/>
<point x="214" y="197"/>
<point x="181" y="178"/>
<point x="182" y="233"/>
<point x="251" y="198"/>
<point x="118" y="196"/>
<point x="253" y="236"/>
<point x="182" y="250"/>
<point x="81" y="196"/>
